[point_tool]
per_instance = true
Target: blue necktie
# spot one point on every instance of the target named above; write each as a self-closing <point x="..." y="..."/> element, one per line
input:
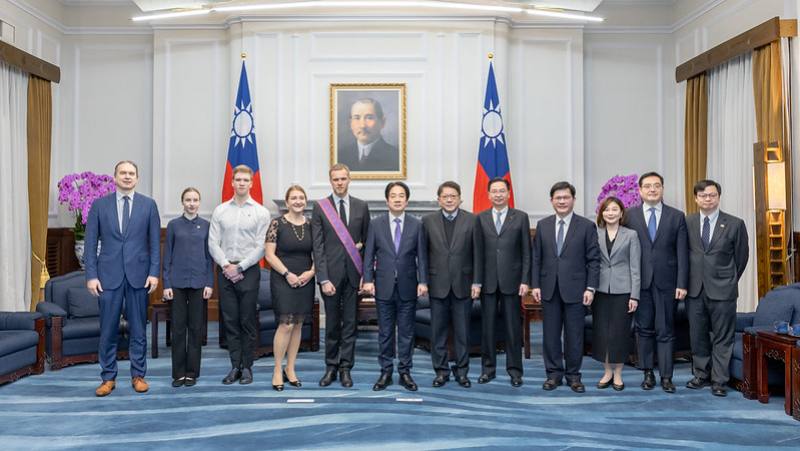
<point x="706" y="235"/>
<point x="126" y="213"/>
<point x="560" y="237"/>
<point x="397" y="233"/>
<point x="497" y="224"/>
<point x="651" y="224"/>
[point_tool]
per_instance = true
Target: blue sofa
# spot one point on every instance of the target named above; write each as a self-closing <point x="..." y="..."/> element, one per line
<point x="423" y="333"/>
<point x="72" y="321"/>
<point x="267" y="324"/>
<point x="21" y="345"/>
<point x="780" y="304"/>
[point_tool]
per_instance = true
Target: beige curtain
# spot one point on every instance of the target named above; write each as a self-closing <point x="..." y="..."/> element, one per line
<point x="40" y="119"/>
<point x="767" y="81"/>
<point x="695" y="136"/>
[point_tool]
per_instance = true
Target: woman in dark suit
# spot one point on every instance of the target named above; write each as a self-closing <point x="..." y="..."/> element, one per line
<point x="188" y="280"/>
<point x="288" y="249"/>
<point x="617" y="294"/>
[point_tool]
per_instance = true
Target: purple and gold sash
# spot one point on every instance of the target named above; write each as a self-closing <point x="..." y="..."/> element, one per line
<point x="341" y="231"/>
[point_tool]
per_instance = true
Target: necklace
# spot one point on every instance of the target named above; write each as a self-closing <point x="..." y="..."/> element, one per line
<point x="302" y="233"/>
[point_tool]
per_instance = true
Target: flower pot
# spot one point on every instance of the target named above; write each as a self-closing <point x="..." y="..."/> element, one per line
<point x="79" y="244"/>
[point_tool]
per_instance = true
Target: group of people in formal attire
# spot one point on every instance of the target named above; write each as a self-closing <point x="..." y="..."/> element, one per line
<point x="630" y="266"/>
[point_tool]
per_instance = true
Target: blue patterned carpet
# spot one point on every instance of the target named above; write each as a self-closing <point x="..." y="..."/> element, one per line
<point x="58" y="410"/>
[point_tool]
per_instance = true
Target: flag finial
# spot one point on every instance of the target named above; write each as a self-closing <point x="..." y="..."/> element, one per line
<point x="244" y="55"/>
<point x="490" y="55"/>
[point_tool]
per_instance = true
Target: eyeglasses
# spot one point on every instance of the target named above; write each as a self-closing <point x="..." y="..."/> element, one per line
<point x="647" y="186"/>
<point x="448" y="196"/>
<point x="562" y="198"/>
<point x="498" y="191"/>
<point x="707" y="195"/>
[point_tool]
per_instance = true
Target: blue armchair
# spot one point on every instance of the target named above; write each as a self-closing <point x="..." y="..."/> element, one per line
<point x="72" y="322"/>
<point x="267" y="324"/>
<point x="423" y="331"/>
<point x="21" y="345"/>
<point x="780" y="304"/>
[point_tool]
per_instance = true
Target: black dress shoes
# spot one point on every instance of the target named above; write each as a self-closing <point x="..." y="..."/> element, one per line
<point x="649" y="381"/>
<point x="463" y="381"/>
<point x="551" y="384"/>
<point x="247" y="376"/>
<point x="407" y="382"/>
<point x="328" y="377"/>
<point x="190" y="382"/>
<point x="233" y="376"/>
<point x="384" y="381"/>
<point x="345" y="379"/>
<point x="719" y="390"/>
<point x="485" y="378"/>
<point x="667" y="385"/>
<point x="619" y="387"/>
<point x="178" y="382"/>
<point x="296" y="383"/>
<point x="516" y="381"/>
<point x="603" y="385"/>
<point x="696" y="383"/>
<point x="440" y="380"/>
<point x="577" y="386"/>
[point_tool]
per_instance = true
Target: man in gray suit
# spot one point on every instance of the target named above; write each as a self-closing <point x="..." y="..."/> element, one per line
<point x="718" y="253"/>
<point x="455" y="273"/>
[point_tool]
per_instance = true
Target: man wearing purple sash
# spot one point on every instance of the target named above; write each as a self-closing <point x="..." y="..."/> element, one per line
<point x="339" y="225"/>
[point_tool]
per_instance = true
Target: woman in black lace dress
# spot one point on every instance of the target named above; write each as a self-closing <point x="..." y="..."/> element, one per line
<point x="288" y="249"/>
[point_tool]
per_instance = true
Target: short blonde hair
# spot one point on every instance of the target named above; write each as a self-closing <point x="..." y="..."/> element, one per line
<point x="295" y="188"/>
<point x="242" y="168"/>
<point x="339" y="167"/>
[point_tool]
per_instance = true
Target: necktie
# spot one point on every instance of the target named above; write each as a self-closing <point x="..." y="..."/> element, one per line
<point x="651" y="224"/>
<point x="450" y="217"/>
<point x="342" y="211"/>
<point x="397" y="233"/>
<point x="497" y="224"/>
<point x="560" y="236"/>
<point x="126" y="213"/>
<point x="706" y="235"/>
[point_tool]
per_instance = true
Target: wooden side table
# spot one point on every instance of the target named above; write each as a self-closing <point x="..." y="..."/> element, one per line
<point x="531" y="311"/>
<point x="771" y="345"/>
<point x="796" y="381"/>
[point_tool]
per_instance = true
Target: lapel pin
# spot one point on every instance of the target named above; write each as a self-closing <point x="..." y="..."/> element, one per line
<point x="722" y="226"/>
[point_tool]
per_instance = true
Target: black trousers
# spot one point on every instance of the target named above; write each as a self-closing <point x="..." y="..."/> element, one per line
<point x="509" y="305"/>
<point x="238" y="304"/>
<point x="655" y="327"/>
<point x="567" y="318"/>
<point x="341" y="311"/>
<point x="712" y="324"/>
<point x="396" y="313"/>
<point x="187" y="331"/>
<point x="444" y="313"/>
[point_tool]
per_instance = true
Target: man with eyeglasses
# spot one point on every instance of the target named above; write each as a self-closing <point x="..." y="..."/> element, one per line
<point x="506" y="236"/>
<point x="455" y="273"/>
<point x="718" y="253"/>
<point x="665" y="273"/>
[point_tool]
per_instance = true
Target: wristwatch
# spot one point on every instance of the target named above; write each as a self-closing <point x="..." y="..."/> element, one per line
<point x="285" y="273"/>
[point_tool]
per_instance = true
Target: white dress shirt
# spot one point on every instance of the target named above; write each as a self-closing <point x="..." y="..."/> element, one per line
<point x="646" y="210"/>
<point x="567" y="220"/>
<point x="503" y="213"/>
<point x="365" y="149"/>
<point x="392" y="224"/>
<point x="237" y="233"/>
<point x="121" y="206"/>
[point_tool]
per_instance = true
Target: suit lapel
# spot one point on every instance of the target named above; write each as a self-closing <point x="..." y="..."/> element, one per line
<point x="388" y="232"/>
<point x="719" y="229"/>
<point x="509" y="216"/>
<point x="136" y="209"/>
<point x="601" y="240"/>
<point x="113" y="217"/>
<point x="619" y="242"/>
<point x="457" y="227"/>
<point x="570" y="233"/>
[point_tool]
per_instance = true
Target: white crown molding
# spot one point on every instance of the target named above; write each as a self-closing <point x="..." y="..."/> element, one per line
<point x="696" y="14"/>
<point x="117" y="31"/>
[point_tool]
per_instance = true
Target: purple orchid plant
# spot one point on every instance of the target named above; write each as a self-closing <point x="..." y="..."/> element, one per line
<point x="78" y="191"/>
<point x="624" y="188"/>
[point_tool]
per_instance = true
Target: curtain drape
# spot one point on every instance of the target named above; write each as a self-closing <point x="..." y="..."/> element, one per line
<point x="732" y="132"/>
<point x="15" y="243"/>
<point x="767" y="86"/>
<point x="40" y="118"/>
<point x="695" y="136"/>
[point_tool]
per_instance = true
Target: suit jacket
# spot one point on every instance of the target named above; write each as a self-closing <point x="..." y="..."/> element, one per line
<point x="385" y="267"/>
<point x="134" y="255"/>
<point x="578" y="266"/>
<point x="619" y="271"/>
<point x="507" y="262"/>
<point x="456" y="266"/>
<point x="720" y="267"/>
<point x="382" y="157"/>
<point x="331" y="261"/>
<point x="665" y="261"/>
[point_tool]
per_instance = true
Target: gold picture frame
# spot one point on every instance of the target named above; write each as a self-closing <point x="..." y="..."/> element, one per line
<point x="374" y="148"/>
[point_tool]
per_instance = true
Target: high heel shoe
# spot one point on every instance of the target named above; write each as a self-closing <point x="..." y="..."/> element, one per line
<point x="278" y="387"/>
<point x="603" y="385"/>
<point x="618" y="387"/>
<point x="296" y="383"/>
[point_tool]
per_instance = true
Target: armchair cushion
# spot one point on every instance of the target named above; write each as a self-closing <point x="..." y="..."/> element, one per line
<point x="744" y="320"/>
<point x="780" y="304"/>
<point x="81" y="327"/>
<point x="81" y="303"/>
<point x="18" y="320"/>
<point x="49" y="309"/>
<point x="12" y="341"/>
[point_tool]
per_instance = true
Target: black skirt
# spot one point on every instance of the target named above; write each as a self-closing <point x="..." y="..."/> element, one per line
<point x="611" y="328"/>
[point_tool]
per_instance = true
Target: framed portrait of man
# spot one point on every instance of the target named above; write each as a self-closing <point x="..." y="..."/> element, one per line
<point x="368" y="129"/>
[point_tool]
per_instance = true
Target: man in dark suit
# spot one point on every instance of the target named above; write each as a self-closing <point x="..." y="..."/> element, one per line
<point x="718" y="253"/>
<point x="665" y="273"/>
<point x="566" y="268"/>
<point x="455" y="273"/>
<point x="395" y="272"/>
<point x="125" y="272"/>
<point x="506" y="275"/>
<point x="369" y="152"/>
<point x="337" y="260"/>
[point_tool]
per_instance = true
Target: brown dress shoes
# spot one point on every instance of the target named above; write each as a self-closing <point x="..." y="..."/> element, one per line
<point x="105" y="388"/>
<point x="139" y="384"/>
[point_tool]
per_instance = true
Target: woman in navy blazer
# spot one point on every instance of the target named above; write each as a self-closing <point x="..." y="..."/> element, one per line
<point x="188" y="281"/>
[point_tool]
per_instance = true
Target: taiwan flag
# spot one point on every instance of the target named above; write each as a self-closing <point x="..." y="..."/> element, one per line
<point x="492" y="155"/>
<point x="242" y="145"/>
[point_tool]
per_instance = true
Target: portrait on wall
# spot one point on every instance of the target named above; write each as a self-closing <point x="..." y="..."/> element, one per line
<point x="368" y="129"/>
